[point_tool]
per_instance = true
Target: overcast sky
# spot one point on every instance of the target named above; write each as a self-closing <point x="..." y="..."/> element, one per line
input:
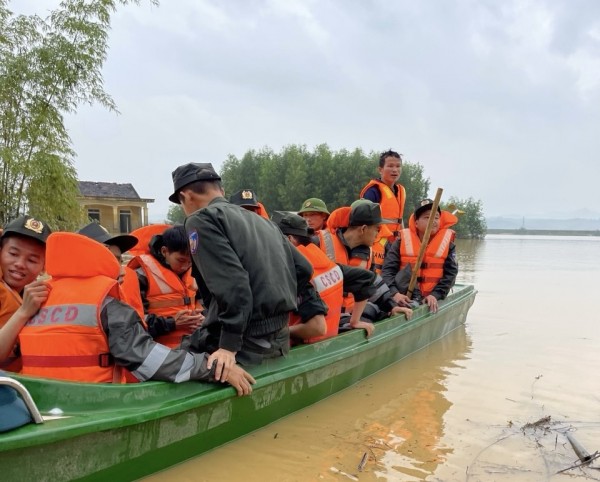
<point x="499" y="100"/>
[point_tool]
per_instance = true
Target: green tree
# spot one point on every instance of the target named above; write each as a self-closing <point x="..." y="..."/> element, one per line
<point x="283" y="180"/>
<point x="471" y="221"/>
<point x="48" y="67"/>
<point x="175" y="215"/>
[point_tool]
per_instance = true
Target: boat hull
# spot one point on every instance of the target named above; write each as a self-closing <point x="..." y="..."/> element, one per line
<point x="125" y="432"/>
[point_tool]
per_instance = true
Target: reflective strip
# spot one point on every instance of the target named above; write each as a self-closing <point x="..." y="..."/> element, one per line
<point x="329" y="247"/>
<point x="68" y="315"/>
<point x="328" y="279"/>
<point x="382" y="288"/>
<point x="444" y="244"/>
<point x="407" y="240"/>
<point x="186" y="369"/>
<point x="156" y="273"/>
<point x="152" y="363"/>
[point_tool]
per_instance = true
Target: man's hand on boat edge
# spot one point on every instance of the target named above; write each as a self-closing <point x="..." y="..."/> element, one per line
<point x="241" y="380"/>
<point x="224" y="360"/>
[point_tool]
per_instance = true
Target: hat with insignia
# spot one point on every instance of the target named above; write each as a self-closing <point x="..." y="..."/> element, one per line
<point x="244" y="198"/>
<point x="314" y="205"/>
<point x="189" y="173"/>
<point x="290" y="223"/>
<point x="424" y="205"/>
<point x="366" y="213"/>
<point x="99" y="233"/>
<point x="29" y="227"/>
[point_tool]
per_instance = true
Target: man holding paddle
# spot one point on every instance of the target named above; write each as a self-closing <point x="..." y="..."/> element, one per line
<point x="438" y="269"/>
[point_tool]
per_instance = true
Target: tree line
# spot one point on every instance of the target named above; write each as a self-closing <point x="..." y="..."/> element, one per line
<point x="283" y="180"/>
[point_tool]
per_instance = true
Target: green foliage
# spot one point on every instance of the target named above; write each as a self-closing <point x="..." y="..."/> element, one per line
<point x="48" y="67"/>
<point x="175" y="215"/>
<point x="283" y="180"/>
<point x="471" y="221"/>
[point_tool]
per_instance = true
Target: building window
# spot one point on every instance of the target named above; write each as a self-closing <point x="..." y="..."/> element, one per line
<point x="125" y="220"/>
<point x="94" y="215"/>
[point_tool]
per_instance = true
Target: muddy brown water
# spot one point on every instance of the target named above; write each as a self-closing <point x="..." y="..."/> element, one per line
<point x="458" y="410"/>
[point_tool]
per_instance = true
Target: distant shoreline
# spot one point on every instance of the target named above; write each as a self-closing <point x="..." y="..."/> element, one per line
<point x="545" y="232"/>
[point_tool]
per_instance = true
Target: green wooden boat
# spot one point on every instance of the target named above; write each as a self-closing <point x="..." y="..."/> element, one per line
<point x="122" y="432"/>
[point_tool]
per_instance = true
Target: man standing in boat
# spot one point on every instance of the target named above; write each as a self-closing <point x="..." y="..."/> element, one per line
<point x="248" y="274"/>
<point x="386" y="192"/>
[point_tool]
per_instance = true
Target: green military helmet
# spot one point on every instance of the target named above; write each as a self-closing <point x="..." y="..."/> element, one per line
<point x="314" y="205"/>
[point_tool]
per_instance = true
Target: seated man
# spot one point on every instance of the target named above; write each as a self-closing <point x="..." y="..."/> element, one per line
<point x="348" y="240"/>
<point x="315" y="212"/>
<point x="83" y="332"/>
<point x="439" y="268"/>
<point x="331" y="281"/>
<point x="247" y="199"/>
<point x="22" y="258"/>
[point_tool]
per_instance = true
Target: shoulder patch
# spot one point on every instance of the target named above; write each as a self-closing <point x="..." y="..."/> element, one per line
<point x="193" y="240"/>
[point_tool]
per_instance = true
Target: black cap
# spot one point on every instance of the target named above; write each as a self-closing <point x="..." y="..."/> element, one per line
<point x="29" y="227"/>
<point x="365" y="212"/>
<point x="99" y="233"/>
<point x="424" y="205"/>
<point x="290" y="223"/>
<point x="245" y="197"/>
<point x="189" y="173"/>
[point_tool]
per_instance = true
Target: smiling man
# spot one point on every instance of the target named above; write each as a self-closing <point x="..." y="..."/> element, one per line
<point x="22" y="259"/>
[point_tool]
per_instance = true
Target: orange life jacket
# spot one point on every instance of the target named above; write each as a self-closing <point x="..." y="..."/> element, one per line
<point x="144" y="236"/>
<point x="167" y="293"/>
<point x="262" y="210"/>
<point x="392" y="205"/>
<point x="130" y="292"/>
<point x="432" y="266"/>
<point x="10" y="301"/>
<point x="378" y="253"/>
<point x="65" y="340"/>
<point x="328" y="280"/>
<point x="335" y="250"/>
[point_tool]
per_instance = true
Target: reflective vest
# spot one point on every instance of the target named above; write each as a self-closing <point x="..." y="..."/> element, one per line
<point x="167" y="293"/>
<point x="432" y="266"/>
<point x="392" y="205"/>
<point x="144" y="236"/>
<point x="328" y="280"/>
<point x="65" y="339"/>
<point x="130" y="292"/>
<point x="332" y="246"/>
<point x="10" y="301"/>
<point x="378" y="254"/>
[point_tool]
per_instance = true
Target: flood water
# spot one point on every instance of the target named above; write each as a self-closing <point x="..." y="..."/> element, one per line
<point x="458" y="410"/>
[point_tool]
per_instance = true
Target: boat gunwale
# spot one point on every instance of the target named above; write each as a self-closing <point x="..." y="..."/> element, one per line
<point x="303" y="359"/>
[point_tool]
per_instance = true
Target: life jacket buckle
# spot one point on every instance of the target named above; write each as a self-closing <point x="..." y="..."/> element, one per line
<point x="187" y="300"/>
<point x="105" y="360"/>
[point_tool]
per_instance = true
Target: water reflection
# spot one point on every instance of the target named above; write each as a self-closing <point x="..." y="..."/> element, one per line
<point x="468" y="253"/>
<point x="395" y="416"/>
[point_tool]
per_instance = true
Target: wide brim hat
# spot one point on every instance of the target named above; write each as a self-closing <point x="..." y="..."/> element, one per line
<point x="29" y="227"/>
<point x="99" y="233"/>
<point x="424" y="205"/>
<point x="314" y="205"/>
<point x="290" y="223"/>
<point x="189" y="173"/>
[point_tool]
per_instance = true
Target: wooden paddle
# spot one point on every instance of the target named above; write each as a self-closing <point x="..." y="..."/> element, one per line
<point x="424" y="241"/>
